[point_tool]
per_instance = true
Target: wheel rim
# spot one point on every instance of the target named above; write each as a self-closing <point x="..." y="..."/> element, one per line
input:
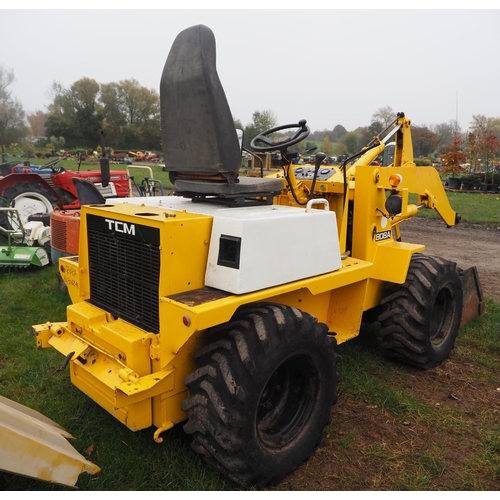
<point x="442" y="317"/>
<point x="31" y="203"/>
<point x="287" y="401"/>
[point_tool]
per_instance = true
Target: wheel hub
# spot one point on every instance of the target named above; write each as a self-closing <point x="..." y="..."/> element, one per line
<point x="286" y="401"/>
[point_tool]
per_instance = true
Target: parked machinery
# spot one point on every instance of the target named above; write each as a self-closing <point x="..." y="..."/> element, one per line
<point x="221" y="307"/>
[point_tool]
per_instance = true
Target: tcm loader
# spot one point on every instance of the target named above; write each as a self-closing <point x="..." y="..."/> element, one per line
<point x="221" y="307"/>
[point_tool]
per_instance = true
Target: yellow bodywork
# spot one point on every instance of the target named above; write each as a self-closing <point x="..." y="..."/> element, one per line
<point x="137" y="375"/>
<point x="35" y="446"/>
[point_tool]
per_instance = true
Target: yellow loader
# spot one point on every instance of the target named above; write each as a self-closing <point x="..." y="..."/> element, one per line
<point x="221" y="307"/>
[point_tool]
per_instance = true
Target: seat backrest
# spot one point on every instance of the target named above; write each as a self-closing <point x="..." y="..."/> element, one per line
<point x="87" y="192"/>
<point x="198" y="131"/>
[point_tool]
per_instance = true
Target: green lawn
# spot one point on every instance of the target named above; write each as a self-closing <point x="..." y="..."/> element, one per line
<point x="475" y="208"/>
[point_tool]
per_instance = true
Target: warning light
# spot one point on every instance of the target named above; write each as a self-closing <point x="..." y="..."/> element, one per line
<point x="395" y="180"/>
<point x="186" y="320"/>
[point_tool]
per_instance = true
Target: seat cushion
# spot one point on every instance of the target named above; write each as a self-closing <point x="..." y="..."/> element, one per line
<point x="250" y="186"/>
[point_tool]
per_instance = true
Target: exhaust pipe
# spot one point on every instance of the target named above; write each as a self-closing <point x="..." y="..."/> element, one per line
<point x="104" y="163"/>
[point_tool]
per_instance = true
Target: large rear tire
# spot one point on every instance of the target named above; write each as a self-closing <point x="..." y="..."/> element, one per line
<point x="420" y="319"/>
<point x="262" y="394"/>
<point x="29" y="198"/>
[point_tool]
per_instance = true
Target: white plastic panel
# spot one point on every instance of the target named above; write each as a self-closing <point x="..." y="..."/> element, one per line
<point x="275" y="245"/>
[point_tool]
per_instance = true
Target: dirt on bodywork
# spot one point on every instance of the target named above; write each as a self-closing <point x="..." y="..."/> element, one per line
<point x="369" y="448"/>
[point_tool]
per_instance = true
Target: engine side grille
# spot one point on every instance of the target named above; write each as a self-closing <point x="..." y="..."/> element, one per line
<point x="124" y="261"/>
<point x="58" y="234"/>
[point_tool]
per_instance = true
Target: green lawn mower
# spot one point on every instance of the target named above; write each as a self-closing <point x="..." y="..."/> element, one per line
<point x="27" y="246"/>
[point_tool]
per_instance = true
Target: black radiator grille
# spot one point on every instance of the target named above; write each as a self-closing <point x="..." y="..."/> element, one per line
<point x="124" y="262"/>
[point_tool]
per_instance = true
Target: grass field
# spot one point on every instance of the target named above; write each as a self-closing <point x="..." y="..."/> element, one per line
<point x="475" y="208"/>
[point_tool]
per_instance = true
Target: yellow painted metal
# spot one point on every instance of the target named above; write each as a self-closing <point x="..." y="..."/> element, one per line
<point x="138" y="376"/>
<point x="304" y="294"/>
<point x="68" y="270"/>
<point x="403" y="153"/>
<point x="187" y="235"/>
<point x="33" y="445"/>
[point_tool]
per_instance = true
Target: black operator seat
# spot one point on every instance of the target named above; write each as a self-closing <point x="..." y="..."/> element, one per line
<point x="200" y="142"/>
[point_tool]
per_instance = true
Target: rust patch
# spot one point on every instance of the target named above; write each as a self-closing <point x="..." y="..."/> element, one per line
<point x="199" y="296"/>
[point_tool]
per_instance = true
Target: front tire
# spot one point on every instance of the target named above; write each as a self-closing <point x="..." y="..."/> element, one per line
<point x="420" y="319"/>
<point x="262" y="394"/>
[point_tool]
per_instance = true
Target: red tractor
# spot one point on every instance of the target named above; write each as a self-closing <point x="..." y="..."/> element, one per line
<point x="32" y="190"/>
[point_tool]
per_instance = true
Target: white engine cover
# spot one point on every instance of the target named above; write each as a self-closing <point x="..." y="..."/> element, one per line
<point x="261" y="247"/>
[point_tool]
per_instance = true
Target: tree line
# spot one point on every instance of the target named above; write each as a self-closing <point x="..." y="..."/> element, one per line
<point x="129" y="116"/>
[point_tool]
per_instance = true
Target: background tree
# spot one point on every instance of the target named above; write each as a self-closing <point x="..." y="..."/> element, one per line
<point x="350" y="140"/>
<point x="133" y="115"/>
<point x="6" y="79"/>
<point x="147" y="119"/>
<point x="60" y="121"/>
<point x="261" y="121"/>
<point x="454" y="157"/>
<point x="140" y="108"/>
<point x="472" y="151"/>
<point x="338" y="132"/>
<point x="327" y="146"/>
<point x="340" y="149"/>
<point x="83" y="96"/>
<point x="444" y="133"/>
<point x="484" y="142"/>
<point x="28" y="150"/>
<point x="491" y="153"/>
<point x="128" y="113"/>
<point x="57" y="143"/>
<point x="37" y="123"/>
<point x="374" y="129"/>
<point x="424" y="141"/>
<point x="74" y="113"/>
<point x="12" y="116"/>
<point x="384" y="116"/>
<point x="114" y="120"/>
<point x="238" y="124"/>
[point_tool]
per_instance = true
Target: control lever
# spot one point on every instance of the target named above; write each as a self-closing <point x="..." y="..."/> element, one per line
<point x="318" y="160"/>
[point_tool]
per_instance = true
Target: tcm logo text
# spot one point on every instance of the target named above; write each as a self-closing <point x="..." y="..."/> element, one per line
<point x="121" y="227"/>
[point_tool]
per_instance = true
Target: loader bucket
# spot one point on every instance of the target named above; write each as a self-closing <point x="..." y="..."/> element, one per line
<point x="32" y="445"/>
<point x="473" y="300"/>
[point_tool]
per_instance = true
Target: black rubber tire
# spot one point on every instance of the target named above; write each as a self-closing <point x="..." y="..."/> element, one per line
<point x="25" y="188"/>
<point x="420" y="319"/>
<point x="262" y="394"/>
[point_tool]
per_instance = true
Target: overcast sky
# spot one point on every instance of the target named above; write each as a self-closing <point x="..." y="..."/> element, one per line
<point x="327" y="66"/>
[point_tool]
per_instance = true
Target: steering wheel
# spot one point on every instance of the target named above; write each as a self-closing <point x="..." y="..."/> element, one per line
<point x="281" y="143"/>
